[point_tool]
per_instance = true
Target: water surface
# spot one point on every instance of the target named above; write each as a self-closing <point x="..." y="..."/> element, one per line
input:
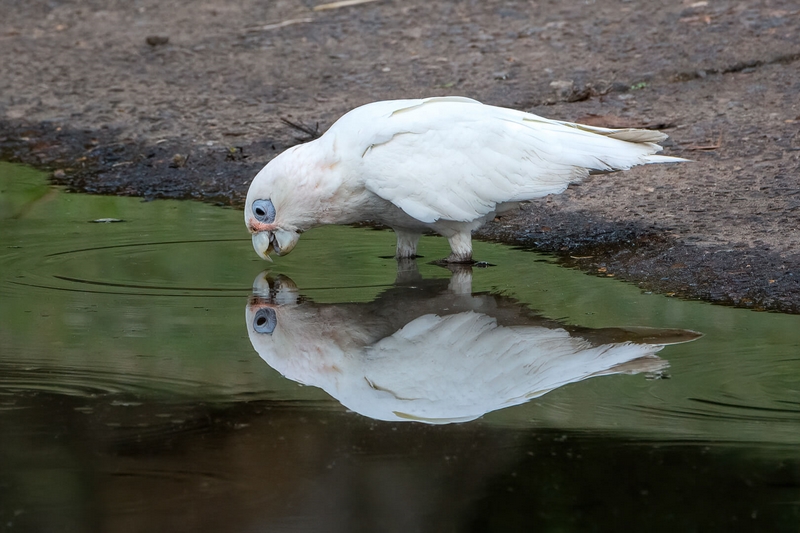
<point x="134" y="396"/>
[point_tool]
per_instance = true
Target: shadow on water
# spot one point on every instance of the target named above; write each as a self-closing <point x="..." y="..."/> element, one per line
<point x="131" y="397"/>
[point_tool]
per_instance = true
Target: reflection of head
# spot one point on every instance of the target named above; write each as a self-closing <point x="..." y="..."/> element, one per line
<point x="431" y="358"/>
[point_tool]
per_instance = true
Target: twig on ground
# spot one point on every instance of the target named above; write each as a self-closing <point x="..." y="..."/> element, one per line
<point x="342" y="3"/>
<point x="277" y="25"/>
<point x="705" y="147"/>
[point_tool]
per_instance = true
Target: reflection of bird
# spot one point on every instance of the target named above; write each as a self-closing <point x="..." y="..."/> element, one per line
<point x="446" y="165"/>
<point x="423" y="352"/>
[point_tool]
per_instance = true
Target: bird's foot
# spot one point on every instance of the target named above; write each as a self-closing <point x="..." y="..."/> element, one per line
<point x="460" y="262"/>
<point x="453" y="259"/>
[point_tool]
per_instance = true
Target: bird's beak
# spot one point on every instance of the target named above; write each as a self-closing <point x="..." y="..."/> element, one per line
<point x="279" y="241"/>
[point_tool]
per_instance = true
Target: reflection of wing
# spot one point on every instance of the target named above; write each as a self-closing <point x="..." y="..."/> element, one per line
<point x="492" y="355"/>
<point x="443" y="366"/>
<point x="459" y="367"/>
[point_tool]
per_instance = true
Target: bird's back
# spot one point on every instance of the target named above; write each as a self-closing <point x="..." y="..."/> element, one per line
<point x="456" y="159"/>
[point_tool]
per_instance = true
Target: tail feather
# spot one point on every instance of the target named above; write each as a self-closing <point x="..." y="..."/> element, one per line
<point x="649" y="159"/>
<point x="624" y="134"/>
<point x="596" y="149"/>
<point x="638" y="136"/>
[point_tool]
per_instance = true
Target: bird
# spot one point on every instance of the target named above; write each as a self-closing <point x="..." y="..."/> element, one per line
<point x="431" y="351"/>
<point x="443" y="164"/>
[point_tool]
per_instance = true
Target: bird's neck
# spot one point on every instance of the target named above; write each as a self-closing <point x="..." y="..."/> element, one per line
<point x="311" y="188"/>
<point x="325" y="187"/>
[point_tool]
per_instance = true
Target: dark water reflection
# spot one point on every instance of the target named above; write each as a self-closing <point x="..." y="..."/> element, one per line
<point x="433" y="351"/>
<point x="279" y="467"/>
<point x="131" y="398"/>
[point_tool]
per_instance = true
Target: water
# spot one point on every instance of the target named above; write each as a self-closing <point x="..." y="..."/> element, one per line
<point x="132" y="397"/>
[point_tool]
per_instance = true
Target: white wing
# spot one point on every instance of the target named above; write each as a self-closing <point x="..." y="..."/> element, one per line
<point x="454" y="158"/>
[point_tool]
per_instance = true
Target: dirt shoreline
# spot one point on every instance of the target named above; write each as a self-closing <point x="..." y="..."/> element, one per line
<point x="84" y="95"/>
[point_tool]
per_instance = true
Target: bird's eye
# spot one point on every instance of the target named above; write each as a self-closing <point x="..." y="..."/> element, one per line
<point x="265" y="321"/>
<point x="264" y="211"/>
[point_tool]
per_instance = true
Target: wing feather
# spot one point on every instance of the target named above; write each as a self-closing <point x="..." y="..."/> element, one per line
<point x="456" y="159"/>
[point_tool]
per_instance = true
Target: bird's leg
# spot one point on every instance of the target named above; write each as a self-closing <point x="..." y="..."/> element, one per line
<point x="406" y="244"/>
<point x="460" y="247"/>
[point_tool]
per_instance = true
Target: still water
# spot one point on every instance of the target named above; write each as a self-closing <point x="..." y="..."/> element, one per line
<point x="155" y="377"/>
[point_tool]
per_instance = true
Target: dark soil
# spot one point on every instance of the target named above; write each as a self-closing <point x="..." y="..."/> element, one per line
<point x="167" y="99"/>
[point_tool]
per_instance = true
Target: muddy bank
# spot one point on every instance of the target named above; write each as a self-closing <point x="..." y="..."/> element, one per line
<point x="750" y="277"/>
<point x="154" y="100"/>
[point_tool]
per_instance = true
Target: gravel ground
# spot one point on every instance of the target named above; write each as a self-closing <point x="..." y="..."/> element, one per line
<point x="170" y="99"/>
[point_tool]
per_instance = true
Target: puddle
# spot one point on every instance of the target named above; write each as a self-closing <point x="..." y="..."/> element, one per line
<point x="133" y="393"/>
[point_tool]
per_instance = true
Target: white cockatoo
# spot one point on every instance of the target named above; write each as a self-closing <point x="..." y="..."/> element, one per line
<point x="444" y="164"/>
<point x="426" y="352"/>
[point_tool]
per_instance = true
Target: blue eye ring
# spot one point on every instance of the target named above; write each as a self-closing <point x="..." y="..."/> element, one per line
<point x="264" y="211"/>
<point x="265" y="321"/>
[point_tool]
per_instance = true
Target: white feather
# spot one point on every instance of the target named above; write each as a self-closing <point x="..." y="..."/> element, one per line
<point x="457" y="159"/>
<point x="445" y="164"/>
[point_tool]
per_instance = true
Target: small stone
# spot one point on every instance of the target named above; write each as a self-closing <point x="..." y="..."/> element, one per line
<point x="157" y="40"/>
<point x="563" y="88"/>
<point x="179" y="160"/>
<point x="59" y="174"/>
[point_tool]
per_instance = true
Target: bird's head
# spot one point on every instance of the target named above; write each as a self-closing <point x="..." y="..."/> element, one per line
<point x="268" y="234"/>
<point x="295" y="192"/>
<point x="278" y="205"/>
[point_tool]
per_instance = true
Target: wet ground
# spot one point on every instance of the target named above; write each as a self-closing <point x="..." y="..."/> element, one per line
<point x="153" y="99"/>
<point x="149" y="382"/>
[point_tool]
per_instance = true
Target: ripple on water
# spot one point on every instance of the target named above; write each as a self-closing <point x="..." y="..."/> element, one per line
<point x="138" y="269"/>
<point x="86" y="382"/>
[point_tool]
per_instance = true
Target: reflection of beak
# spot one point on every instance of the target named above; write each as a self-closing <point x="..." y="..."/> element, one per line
<point x="280" y="241"/>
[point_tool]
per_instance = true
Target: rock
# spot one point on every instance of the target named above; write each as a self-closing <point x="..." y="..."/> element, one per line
<point x="157" y="40"/>
<point x="563" y="88"/>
